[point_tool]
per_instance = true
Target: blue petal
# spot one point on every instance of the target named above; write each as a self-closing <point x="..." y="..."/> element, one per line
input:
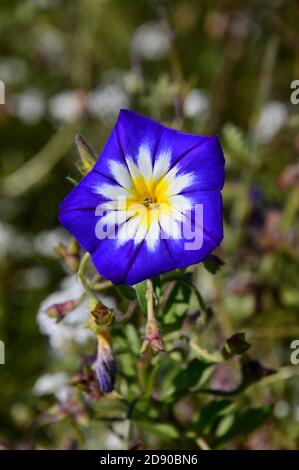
<point x="130" y="131"/>
<point x="77" y="210"/>
<point x="81" y="224"/>
<point x="113" y="261"/>
<point x="147" y="263"/>
<point x="212" y="230"/>
<point x="206" y="162"/>
<point x="84" y="195"/>
<point x="180" y="144"/>
<point x="106" y="370"/>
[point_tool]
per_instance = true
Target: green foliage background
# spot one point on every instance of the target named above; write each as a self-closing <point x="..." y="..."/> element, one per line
<point x="239" y="57"/>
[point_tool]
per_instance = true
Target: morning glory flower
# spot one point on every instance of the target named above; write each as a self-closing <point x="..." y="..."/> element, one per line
<point x="151" y="203"/>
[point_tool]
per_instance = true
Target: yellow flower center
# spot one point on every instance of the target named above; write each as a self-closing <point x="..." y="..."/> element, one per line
<point x="148" y="199"/>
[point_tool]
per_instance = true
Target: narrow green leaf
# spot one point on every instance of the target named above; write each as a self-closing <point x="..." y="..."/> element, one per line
<point x="127" y="291"/>
<point x="140" y="290"/>
<point x="71" y="180"/>
<point x="240" y="424"/>
<point x="162" y="430"/>
<point x="133" y="338"/>
<point x="190" y="375"/>
<point x="211" y="413"/>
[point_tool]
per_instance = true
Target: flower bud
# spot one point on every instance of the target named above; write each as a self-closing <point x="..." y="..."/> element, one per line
<point x="69" y="254"/>
<point x="105" y="363"/>
<point x="59" y="311"/>
<point x="153" y="337"/>
<point x="101" y="316"/>
<point x="87" y="156"/>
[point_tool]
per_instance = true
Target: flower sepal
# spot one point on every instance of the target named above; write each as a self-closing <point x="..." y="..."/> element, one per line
<point x="87" y="156"/>
<point x="101" y="317"/>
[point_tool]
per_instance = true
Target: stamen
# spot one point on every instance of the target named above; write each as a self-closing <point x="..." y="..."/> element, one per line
<point x="150" y="203"/>
<point x="147" y="201"/>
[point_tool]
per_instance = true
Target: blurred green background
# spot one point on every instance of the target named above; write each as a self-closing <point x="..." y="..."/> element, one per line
<point x="220" y="67"/>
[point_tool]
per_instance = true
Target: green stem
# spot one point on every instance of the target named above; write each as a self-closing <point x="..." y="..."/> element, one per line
<point x="150" y="300"/>
<point x="81" y="275"/>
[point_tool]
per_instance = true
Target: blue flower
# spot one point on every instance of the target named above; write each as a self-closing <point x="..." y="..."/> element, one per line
<point x="151" y="203"/>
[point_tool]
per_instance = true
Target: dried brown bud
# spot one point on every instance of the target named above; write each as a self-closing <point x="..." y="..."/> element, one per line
<point x="60" y="311"/>
<point x="153" y="337"/>
<point x="69" y="254"/>
<point x="102" y="315"/>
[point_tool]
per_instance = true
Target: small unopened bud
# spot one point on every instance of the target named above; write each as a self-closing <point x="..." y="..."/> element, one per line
<point x="153" y="337"/>
<point x="60" y="311"/>
<point x="105" y="363"/>
<point x="69" y="254"/>
<point x="87" y="156"/>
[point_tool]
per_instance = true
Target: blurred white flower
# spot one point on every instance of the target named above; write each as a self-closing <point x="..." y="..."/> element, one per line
<point x="272" y="117"/>
<point x="12" y="70"/>
<point x="56" y="384"/>
<point x="133" y="82"/>
<point x="29" y="106"/>
<point x="197" y="104"/>
<point x="281" y="409"/>
<point x="13" y="243"/>
<point x="150" y="41"/>
<point x="50" y="44"/>
<point x="105" y="101"/>
<point x="44" y="4"/>
<point x="72" y="328"/>
<point x="67" y="105"/>
<point x="113" y="441"/>
<point x="35" y="277"/>
<point x="45" y="242"/>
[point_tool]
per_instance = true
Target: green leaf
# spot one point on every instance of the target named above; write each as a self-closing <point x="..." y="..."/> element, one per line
<point x="127" y="291"/>
<point x="211" y="414"/>
<point x="165" y="378"/>
<point x="127" y="364"/>
<point x="133" y="338"/>
<point x="176" y="306"/>
<point x="213" y="263"/>
<point x="157" y="286"/>
<point x="162" y="430"/>
<point x="71" y="180"/>
<point x="185" y="279"/>
<point x="240" y="424"/>
<point x="190" y="375"/>
<point x="140" y="290"/>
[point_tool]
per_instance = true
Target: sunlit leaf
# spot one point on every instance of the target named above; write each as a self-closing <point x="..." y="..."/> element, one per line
<point x="140" y="290"/>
